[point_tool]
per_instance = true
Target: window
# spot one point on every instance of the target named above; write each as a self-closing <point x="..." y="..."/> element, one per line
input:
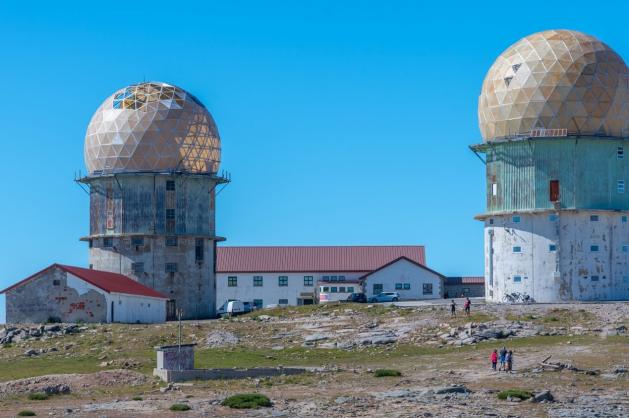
<point x="137" y="268"/>
<point x="594" y="218"/>
<point x="517" y="249"/>
<point x="350" y="289"/>
<point x="108" y="242"/>
<point x="56" y="282"/>
<point x="325" y="289"/>
<point x="515" y="219"/>
<point x="407" y="286"/>
<point x="334" y="289"/>
<point x="170" y="185"/>
<point x="308" y="281"/>
<point x="333" y="278"/>
<point x="620" y="186"/>
<point x="325" y="278"/>
<point x="625" y="279"/>
<point x="91" y="243"/>
<point x="232" y="281"/>
<point x="494" y="189"/>
<point x="258" y="281"/>
<point x="341" y="278"/>
<point x="342" y="289"/>
<point x="517" y="279"/>
<point x="282" y="281"/>
<point x="198" y="249"/>
<point x="171" y="267"/>
<point x="398" y="286"/>
<point x="427" y="288"/>
<point x="625" y="248"/>
<point x="171" y="241"/>
<point x="170" y="213"/>
<point x="554" y="191"/>
<point x="594" y="248"/>
<point x="552" y="247"/>
<point x="491" y="221"/>
<point x="283" y="302"/>
<point x="258" y="303"/>
<point x="620" y="153"/>
<point x="137" y="241"/>
<point x="377" y="288"/>
<point x="552" y="217"/>
<point x="594" y="278"/>
<point x="624" y="219"/>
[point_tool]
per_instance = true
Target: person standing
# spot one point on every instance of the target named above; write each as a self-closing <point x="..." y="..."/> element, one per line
<point x="494" y="359"/>
<point x="453" y="308"/>
<point x="503" y="358"/>
<point x="467" y="306"/>
<point x="510" y="361"/>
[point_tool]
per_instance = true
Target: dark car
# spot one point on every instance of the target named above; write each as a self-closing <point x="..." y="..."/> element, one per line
<point x="357" y="298"/>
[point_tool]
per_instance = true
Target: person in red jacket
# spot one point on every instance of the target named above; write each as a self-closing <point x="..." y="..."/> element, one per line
<point x="494" y="359"/>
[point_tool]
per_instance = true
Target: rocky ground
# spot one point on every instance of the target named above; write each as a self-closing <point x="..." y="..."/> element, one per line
<point x="104" y="370"/>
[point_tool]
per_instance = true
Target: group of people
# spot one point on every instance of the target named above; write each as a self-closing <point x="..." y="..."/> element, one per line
<point x="505" y="357"/>
<point x="467" y="305"/>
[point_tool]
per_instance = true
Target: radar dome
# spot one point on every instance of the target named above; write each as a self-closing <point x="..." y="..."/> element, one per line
<point x="556" y="79"/>
<point x="153" y="127"/>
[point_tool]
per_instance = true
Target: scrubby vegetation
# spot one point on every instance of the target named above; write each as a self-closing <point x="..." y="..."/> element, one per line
<point x="180" y="407"/>
<point x="26" y="413"/>
<point x="387" y="373"/>
<point x="515" y="393"/>
<point x="38" y="396"/>
<point x="247" y="401"/>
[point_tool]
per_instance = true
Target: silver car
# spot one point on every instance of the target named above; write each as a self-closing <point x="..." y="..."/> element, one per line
<point x="385" y="297"/>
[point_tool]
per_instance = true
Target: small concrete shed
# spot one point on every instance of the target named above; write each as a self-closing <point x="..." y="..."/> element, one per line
<point x="72" y="294"/>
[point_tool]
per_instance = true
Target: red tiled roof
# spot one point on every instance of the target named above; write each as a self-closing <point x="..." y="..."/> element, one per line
<point x="362" y="278"/>
<point x="313" y="259"/>
<point x="109" y="282"/>
<point x="465" y="280"/>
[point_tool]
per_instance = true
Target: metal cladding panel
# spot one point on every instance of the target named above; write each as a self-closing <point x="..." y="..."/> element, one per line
<point x="313" y="259"/>
<point x="588" y="171"/>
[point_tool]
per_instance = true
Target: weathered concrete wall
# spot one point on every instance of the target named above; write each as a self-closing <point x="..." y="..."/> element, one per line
<point x="129" y="207"/>
<point x="131" y="309"/>
<point x="563" y="256"/>
<point x="213" y="374"/>
<point x="469" y="290"/>
<point x="403" y="271"/>
<point x="70" y="300"/>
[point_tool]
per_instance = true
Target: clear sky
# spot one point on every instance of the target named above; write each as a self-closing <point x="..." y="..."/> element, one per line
<point x="341" y="122"/>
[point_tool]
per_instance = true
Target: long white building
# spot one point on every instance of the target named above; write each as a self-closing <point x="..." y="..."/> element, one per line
<point x="306" y="275"/>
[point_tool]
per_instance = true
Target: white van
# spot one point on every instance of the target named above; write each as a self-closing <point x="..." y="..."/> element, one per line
<point x="231" y="308"/>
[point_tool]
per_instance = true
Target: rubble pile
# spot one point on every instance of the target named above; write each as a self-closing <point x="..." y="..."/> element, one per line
<point x="14" y="334"/>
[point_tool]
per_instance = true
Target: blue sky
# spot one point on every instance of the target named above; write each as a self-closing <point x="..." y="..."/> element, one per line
<point x="341" y="122"/>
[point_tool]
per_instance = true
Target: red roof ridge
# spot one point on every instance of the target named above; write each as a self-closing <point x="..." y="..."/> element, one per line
<point x="395" y="261"/>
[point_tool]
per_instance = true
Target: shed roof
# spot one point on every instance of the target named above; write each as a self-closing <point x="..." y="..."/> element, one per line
<point x="465" y="280"/>
<point x="107" y="281"/>
<point x="313" y="259"/>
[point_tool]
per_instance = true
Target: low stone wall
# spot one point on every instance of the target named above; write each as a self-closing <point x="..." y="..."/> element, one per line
<point x="212" y="374"/>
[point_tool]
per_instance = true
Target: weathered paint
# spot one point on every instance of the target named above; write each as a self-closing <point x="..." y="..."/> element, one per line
<point x="587" y="169"/>
<point x="563" y="272"/>
<point x="137" y="205"/>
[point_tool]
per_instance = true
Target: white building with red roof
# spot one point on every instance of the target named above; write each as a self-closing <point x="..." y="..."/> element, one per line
<point x="304" y="275"/>
<point x="74" y="294"/>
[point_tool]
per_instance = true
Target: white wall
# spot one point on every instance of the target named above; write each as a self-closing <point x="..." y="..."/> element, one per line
<point x="404" y="271"/>
<point x="270" y="292"/>
<point x="136" y="309"/>
<point x="566" y="273"/>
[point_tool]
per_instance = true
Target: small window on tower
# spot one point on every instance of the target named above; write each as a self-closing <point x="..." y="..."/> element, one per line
<point x="108" y="242"/>
<point x="594" y="218"/>
<point x="552" y="248"/>
<point x="56" y="282"/>
<point x="594" y="278"/>
<point x="171" y="241"/>
<point x="198" y="249"/>
<point x="517" y="249"/>
<point x="517" y="279"/>
<point x="494" y="189"/>
<point x="170" y="213"/>
<point x="620" y="153"/>
<point x="170" y="185"/>
<point x="91" y="243"/>
<point x="594" y="248"/>
<point x="137" y="241"/>
<point x="624" y="219"/>
<point x="171" y="267"/>
<point x="516" y="219"/>
<point x="554" y="190"/>
<point x="620" y="186"/>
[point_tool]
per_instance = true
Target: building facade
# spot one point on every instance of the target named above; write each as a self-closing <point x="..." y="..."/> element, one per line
<point x="410" y="279"/>
<point x="73" y="294"/>
<point x="305" y="275"/>
<point x="152" y="152"/>
<point x="554" y="114"/>
<point x="464" y="286"/>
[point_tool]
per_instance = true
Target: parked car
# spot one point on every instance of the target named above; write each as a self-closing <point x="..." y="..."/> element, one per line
<point x="357" y="298"/>
<point x="231" y="308"/>
<point x="386" y="297"/>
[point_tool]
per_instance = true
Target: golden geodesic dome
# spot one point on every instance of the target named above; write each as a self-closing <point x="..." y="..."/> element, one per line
<point x="556" y="79"/>
<point x="152" y="126"/>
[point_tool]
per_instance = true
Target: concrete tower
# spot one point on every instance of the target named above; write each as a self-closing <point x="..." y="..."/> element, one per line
<point x="554" y="116"/>
<point x="152" y="151"/>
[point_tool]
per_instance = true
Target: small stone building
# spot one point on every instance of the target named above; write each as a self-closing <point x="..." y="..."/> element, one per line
<point x="413" y="281"/>
<point x="467" y="286"/>
<point x="73" y="294"/>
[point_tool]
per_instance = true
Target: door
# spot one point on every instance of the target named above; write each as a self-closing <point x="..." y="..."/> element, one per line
<point x="171" y="310"/>
<point x="112" y="311"/>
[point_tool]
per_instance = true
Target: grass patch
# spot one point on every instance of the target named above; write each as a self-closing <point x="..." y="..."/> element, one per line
<point x="387" y="373"/>
<point x="137" y="398"/>
<point x="179" y="407"/>
<point x="26" y="413"/>
<point x="39" y="396"/>
<point x="515" y="393"/>
<point x="247" y="401"/>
